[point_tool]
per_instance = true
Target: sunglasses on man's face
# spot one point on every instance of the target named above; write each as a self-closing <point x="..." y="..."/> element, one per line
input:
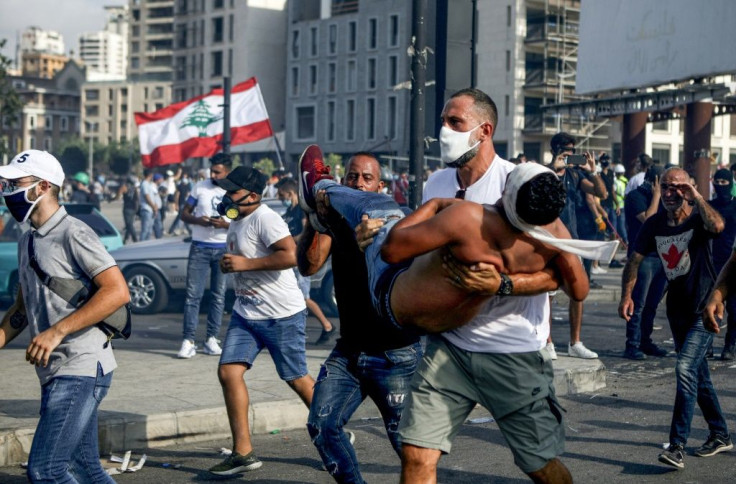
<point x="9" y="186"/>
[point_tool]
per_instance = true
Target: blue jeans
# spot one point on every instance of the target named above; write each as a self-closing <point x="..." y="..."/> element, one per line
<point x="649" y="288"/>
<point x="344" y="381"/>
<point x="203" y="262"/>
<point x="64" y="448"/>
<point x="150" y="224"/>
<point x="352" y="205"/>
<point x="693" y="382"/>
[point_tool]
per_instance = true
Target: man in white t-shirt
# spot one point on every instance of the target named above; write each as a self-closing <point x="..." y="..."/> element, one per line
<point x="269" y="310"/>
<point x="498" y="358"/>
<point x="209" y="232"/>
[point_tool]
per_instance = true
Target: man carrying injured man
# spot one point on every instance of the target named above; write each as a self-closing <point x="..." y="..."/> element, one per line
<point x="521" y="234"/>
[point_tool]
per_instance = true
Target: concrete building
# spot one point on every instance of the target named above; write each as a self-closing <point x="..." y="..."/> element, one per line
<point x="108" y="107"/>
<point x="51" y="110"/>
<point x="105" y="53"/>
<point x="36" y="39"/>
<point x="239" y="39"/>
<point x="151" y="40"/>
<point x="347" y="77"/>
<point x="42" y="65"/>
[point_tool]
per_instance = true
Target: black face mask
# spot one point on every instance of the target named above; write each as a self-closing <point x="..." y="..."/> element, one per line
<point x="229" y="207"/>
<point x="723" y="192"/>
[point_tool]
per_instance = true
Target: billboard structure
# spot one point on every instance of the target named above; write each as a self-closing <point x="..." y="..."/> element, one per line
<point x="629" y="44"/>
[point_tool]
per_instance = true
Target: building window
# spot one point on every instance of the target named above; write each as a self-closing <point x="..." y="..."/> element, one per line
<point x="90" y="111"/>
<point x="295" y="44"/>
<point x="352" y="36"/>
<point x="393" y="116"/>
<point x="313" y="79"/>
<point x="352" y="76"/>
<point x="91" y="94"/>
<point x="393" y="70"/>
<point x="230" y="62"/>
<point x="63" y="123"/>
<point x="661" y="153"/>
<point x="350" y="120"/>
<point x="372" y="33"/>
<point x="393" y="32"/>
<point x="333" y="39"/>
<point x="313" y="42"/>
<point x="371" y="82"/>
<point x="135" y="63"/>
<point x="331" y="121"/>
<point x="47" y="144"/>
<point x="294" y="81"/>
<point x="507" y="102"/>
<point x="508" y="61"/>
<point x="370" y="129"/>
<point x="218" y="4"/>
<point x="332" y="77"/>
<point x="218" y="32"/>
<point x="48" y="123"/>
<point x="135" y="47"/>
<point x="216" y="59"/>
<point x="33" y="142"/>
<point x="661" y="126"/>
<point x="231" y="27"/>
<point x="305" y="123"/>
<point x="508" y="16"/>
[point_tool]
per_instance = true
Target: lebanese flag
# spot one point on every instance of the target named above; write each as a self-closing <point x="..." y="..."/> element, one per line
<point x="194" y="127"/>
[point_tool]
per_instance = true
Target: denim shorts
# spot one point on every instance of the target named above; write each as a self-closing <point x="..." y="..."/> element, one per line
<point x="304" y="283"/>
<point x="283" y="337"/>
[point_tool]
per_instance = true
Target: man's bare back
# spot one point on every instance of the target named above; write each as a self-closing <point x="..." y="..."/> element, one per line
<point x="423" y="297"/>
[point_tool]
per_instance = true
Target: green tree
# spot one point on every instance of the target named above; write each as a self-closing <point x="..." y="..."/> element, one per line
<point x="73" y="159"/>
<point x="334" y="161"/>
<point x="11" y="104"/>
<point x="265" y="165"/>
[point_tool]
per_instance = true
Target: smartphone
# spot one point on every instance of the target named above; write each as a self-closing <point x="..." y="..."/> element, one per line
<point x="576" y="160"/>
<point x="216" y="216"/>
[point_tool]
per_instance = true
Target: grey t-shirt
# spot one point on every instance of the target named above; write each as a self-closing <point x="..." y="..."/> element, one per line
<point x="65" y="247"/>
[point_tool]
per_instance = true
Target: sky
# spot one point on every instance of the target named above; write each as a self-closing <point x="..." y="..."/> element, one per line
<point x="68" y="17"/>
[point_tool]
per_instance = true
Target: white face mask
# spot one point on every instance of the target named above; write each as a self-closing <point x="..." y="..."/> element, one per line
<point x="454" y="144"/>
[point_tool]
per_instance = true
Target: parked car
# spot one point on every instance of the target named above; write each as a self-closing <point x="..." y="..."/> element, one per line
<point x="156" y="272"/>
<point x="10" y="232"/>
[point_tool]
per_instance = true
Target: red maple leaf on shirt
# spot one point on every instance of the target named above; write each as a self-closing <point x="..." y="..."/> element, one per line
<point x="672" y="257"/>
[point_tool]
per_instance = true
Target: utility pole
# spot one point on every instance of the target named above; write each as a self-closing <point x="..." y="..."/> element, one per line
<point x="418" y="80"/>
<point x="226" y="115"/>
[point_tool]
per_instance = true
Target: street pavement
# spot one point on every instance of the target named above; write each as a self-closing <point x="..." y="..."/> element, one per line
<point x="159" y="403"/>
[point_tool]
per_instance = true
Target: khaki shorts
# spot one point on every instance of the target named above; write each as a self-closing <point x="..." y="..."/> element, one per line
<point x="518" y="389"/>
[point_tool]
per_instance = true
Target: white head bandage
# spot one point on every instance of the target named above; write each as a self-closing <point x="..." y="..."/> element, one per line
<point x="587" y="249"/>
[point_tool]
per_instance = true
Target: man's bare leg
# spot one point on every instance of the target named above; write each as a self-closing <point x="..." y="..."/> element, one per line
<point x="236" y="401"/>
<point x="314" y="308"/>
<point x="575" y="314"/>
<point x="304" y="387"/>
<point x="554" y="472"/>
<point x="419" y="465"/>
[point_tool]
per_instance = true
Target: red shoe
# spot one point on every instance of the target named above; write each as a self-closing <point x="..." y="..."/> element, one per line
<point x="311" y="170"/>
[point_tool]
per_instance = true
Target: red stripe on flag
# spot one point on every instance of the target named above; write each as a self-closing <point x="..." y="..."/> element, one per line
<point x="170" y="111"/>
<point x="206" y="146"/>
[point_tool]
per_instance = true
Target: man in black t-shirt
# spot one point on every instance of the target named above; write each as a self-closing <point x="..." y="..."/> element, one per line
<point x="680" y="237"/>
<point x="370" y="359"/>
<point x="640" y="204"/>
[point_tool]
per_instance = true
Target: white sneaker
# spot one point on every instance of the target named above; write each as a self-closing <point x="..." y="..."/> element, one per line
<point x="550" y="347"/>
<point x="187" y="349"/>
<point x="351" y="437"/>
<point x="212" y="346"/>
<point x="578" y="350"/>
<point x="598" y="270"/>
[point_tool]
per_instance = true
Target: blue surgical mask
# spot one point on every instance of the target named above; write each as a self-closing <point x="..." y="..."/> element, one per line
<point x="19" y="205"/>
<point x="286" y="202"/>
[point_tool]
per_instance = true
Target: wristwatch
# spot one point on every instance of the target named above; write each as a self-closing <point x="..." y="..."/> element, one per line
<point x="506" y="287"/>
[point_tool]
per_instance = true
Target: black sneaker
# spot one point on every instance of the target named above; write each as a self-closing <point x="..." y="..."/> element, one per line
<point x="326" y="336"/>
<point x="673" y="456"/>
<point x="634" y="354"/>
<point x="615" y="264"/>
<point x="654" y="350"/>
<point x="728" y="353"/>
<point x="236" y="463"/>
<point x="714" y="445"/>
<point x="595" y="285"/>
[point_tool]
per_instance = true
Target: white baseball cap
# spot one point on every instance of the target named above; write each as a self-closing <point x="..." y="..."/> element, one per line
<point x="40" y="164"/>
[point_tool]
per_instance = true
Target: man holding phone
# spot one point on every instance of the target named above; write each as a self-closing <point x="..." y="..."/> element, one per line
<point x="209" y="235"/>
<point x="578" y="174"/>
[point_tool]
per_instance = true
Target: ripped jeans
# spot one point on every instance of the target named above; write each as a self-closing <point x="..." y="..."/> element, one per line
<point x="344" y="381"/>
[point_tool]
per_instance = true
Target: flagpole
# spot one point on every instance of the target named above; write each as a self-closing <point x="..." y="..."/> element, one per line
<point x="226" y="116"/>
<point x="278" y="151"/>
